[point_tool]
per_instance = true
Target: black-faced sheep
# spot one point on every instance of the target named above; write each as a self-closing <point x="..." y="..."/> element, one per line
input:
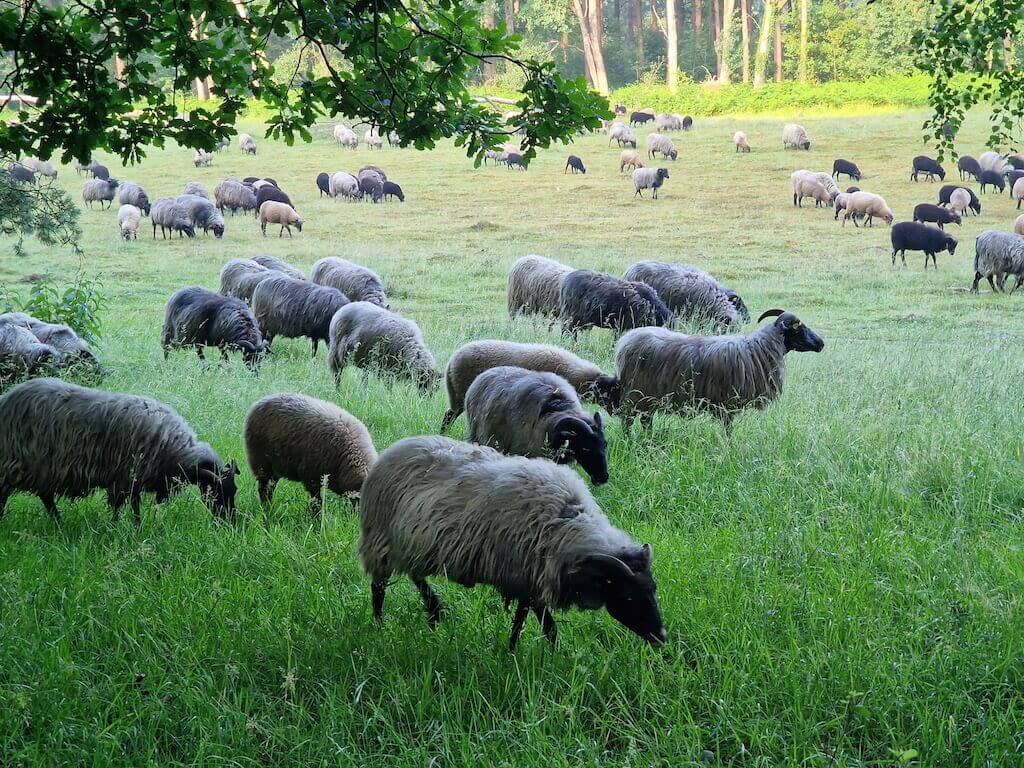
<point x="272" y="212"/>
<point x="998" y="254"/>
<point x="936" y="214"/>
<point x="99" y="190"/>
<point x="927" y="166"/>
<point x="534" y="286"/>
<point x="968" y="166"/>
<point x="795" y="136"/>
<point x="239" y="278"/>
<point x="172" y="217"/>
<point x="355" y="281"/>
<point x="234" y="196"/>
<point x="392" y="190"/>
<point x="648" y="178"/>
<point x="591" y="299"/>
<point x="946" y="197"/>
<point x="130" y="193"/>
<point x="912" y="236"/>
<point x="203" y="213"/>
<point x="993" y="178"/>
<point x="845" y="166"/>
<point x="293" y="308"/>
<point x="198" y="318"/>
<point x="575" y="163"/>
<point x="690" y="293"/>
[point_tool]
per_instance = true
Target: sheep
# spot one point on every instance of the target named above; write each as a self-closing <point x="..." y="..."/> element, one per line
<point x="292" y="308"/>
<point x="41" y="167"/>
<point x="357" y="282"/>
<point x="59" y="439"/>
<point x="373" y="140"/>
<point x="910" y="235"/>
<point x="690" y="292"/>
<point x="171" y="216"/>
<point x="576" y="164"/>
<point x="1018" y="191"/>
<point x="620" y="109"/>
<point x="851" y="190"/>
<point x="630" y="158"/>
<point x="649" y="178"/>
<point x="99" y="190"/>
<point x="375" y="169"/>
<point x="991" y="177"/>
<point x="130" y="193"/>
<point x="998" y="254"/>
<point x="278" y="213"/>
<point x="946" y="198"/>
<point x="204" y="214"/>
<point x="260" y="183"/>
<point x="392" y="190"/>
<point x="197" y="189"/>
<point x="869" y="205"/>
<point x="1016" y="162"/>
<point x="18" y="172"/>
<point x="202" y="158"/>
<point x="277" y="265"/>
<point x="1018" y="225"/>
<point x="927" y="212"/>
<point x="840" y="204"/>
<point x="198" y="318"/>
<point x="271" y="193"/>
<point x="234" y="196"/>
<point x="514" y="159"/>
<point x="222" y="144"/>
<point x="249" y="181"/>
<point x="534" y="284"/>
<point x="79" y="166"/>
<point x="99" y="171"/>
<point x="656" y="143"/>
<point x="247" y="144"/>
<point x="323" y="183"/>
<point x="663" y="371"/>
<point x="740" y="140"/>
<point x="499" y="156"/>
<point x="22" y="354"/>
<point x="809" y="188"/>
<point x="535" y="414"/>
<point x="665" y="122"/>
<point x="1011" y="180"/>
<point x="346" y="185"/>
<point x="687" y="123"/>
<point x="825" y="179"/>
<point x="128" y="218"/>
<point x="372" y="338"/>
<point x="993" y="161"/>
<point x="795" y="136"/>
<point x="473" y="358"/>
<point x="309" y="441"/>
<point x="371" y="187"/>
<point x="968" y="166"/>
<point x="346" y="137"/>
<point x="622" y="135"/>
<point x="71" y="348"/>
<point x="639" y="118"/>
<point x="928" y="166"/>
<point x="597" y="300"/>
<point x="527" y="527"/>
<point x="394" y="140"/>
<point x="239" y="278"/>
<point x="845" y="166"/>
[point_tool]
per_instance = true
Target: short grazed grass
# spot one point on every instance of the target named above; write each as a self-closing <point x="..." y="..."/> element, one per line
<point x="841" y="577"/>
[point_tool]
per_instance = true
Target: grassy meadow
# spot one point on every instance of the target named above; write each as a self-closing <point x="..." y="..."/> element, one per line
<point x="841" y="577"/>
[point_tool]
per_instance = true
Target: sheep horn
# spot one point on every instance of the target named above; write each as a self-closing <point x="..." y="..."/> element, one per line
<point x="614" y="563"/>
<point x="770" y="313"/>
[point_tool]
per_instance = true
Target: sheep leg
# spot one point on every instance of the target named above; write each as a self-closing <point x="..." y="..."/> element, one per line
<point x="51" y="507"/>
<point x="316" y="493"/>
<point x="547" y="623"/>
<point x="135" y="501"/>
<point x="522" y="611"/>
<point x="430" y="601"/>
<point x="316" y="342"/>
<point x="378" y="587"/>
<point x="5" y="494"/>
<point x="647" y="420"/>
<point x="449" y="417"/>
<point x="266" y="490"/>
<point x="977" y="279"/>
<point x="199" y="351"/>
<point x="1001" y="282"/>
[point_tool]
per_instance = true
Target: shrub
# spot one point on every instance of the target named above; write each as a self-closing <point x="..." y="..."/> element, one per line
<point x="78" y="306"/>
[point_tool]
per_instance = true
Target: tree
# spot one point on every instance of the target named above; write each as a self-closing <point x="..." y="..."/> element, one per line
<point x="671" y="45"/>
<point x="778" y="44"/>
<point x="745" y="31"/>
<point x="802" y="69"/>
<point x="725" y="39"/>
<point x="764" y="33"/>
<point x="590" y="14"/>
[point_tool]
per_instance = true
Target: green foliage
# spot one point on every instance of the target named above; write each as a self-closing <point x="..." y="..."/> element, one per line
<point x="78" y="305"/>
<point x="43" y="210"/>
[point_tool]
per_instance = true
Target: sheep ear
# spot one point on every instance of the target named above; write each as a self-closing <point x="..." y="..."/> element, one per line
<point x="597" y="420"/>
<point x="646" y="552"/>
<point x="770" y="313"/>
<point x="233" y="467"/>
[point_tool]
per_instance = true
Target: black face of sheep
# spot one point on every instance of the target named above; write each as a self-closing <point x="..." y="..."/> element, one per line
<point x="851" y="190"/>
<point x="217" y="486"/>
<point x="253" y="355"/>
<point x="797" y="336"/>
<point x="576" y="440"/>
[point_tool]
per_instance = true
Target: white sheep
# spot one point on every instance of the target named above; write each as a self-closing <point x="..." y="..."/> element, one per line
<point x="346" y="136"/>
<point x="960" y="200"/>
<point x="740" y="140"/>
<point x="656" y="143"/>
<point x="373" y="139"/>
<point x="869" y="205"/>
<point x="128" y="218"/>
<point x="795" y="136"/>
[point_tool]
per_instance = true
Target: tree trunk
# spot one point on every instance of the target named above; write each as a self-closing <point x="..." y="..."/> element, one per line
<point x="671" y="46"/>
<point x="761" y="60"/>
<point x="725" y="44"/>
<point x="119" y="70"/>
<point x="490" y="68"/>
<point x="590" y="16"/>
<point x="778" y="45"/>
<point x="802" y="70"/>
<point x="745" y="21"/>
<point x="716" y="36"/>
<point x="697" y="21"/>
<point x="654" y="16"/>
<point x="510" y="16"/>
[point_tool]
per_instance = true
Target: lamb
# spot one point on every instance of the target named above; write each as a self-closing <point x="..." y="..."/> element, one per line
<point x="277" y="265"/>
<point x="527" y="527"/>
<point x="308" y="441"/>
<point x="968" y="166"/>
<point x="998" y="254"/>
<point x="41" y="167"/>
<point x="373" y="139"/>
<point x="927" y="212"/>
<point x="869" y="205"/>
<point x="535" y="414"/>
<point x="576" y="164"/>
<point x="809" y="188"/>
<point x="663" y="371"/>
<point x="740" y="140"/>
<point x="656" y="143"/>
<point x="247" y="144"/>
<point x="198" y="318"/>
<point x="649" y="178"/>
<point x="946" y="198"/>
<point x="346" y="137"/>
<point x="99" y="190"/>
<point x="622" y="135"/>
<point x="204" y="214"/>
<point x="346" y="185"/>
<point x="371" y="187"/>
<point x="639" y="118"/>
<point x="597" y="300"/>
<point x="372" y="338"/>
<point x="630" y="158"/>
<point x="690" y="293"/>
<point x="912" y="236"/>
<point x="665" y="122"/>
<point x="292" y="308"/>
<point x="323" y="183"/>
<point x="993" y="161"/>
<point x="392" y="190"/>
<point x="534" y="286"/>
<point x="991" y="177"/>
<point x="18" y="172"/>
<point x="170" y="215"/>
<point x="128" y="218"/>
<point x="22" y="354"/>
<point x="795" y="136"/>
<point x="471" y="359"/>
<point x="239" y="278"/>
<point x="269" y="192"/>
<point x="130" y="193"/>
<point x="278" y="213"/>
<point x="355" y="281"/>
<point x="197" y="189"/>
<point x="202" y="158"/>
<point x="59" y="439"/>
<point x="927" y="166"/>
<point x="845" y="166"/>
<point x="234" y="196"/>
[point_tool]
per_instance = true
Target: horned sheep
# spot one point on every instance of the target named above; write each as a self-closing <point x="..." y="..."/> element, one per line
<point x="649" y="178"/>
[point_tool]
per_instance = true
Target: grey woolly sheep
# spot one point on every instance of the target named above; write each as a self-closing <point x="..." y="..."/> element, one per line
<point x="130" y="193"/>
<point x="346" y="185"/>
<point x="527" y="527"/>
<point x="534" y="286"/>
<point x="664" y="122"/>
<point x="198" y="318"/>
<point x="649" y="178"/>
<point x="998" y="254"/>
<point x="22" y="354"/>
<point x="622" y="135"/>
<point x="202" y="158"/>
<point x="18" y="172"/>
<point x="222" y="144"/>
<point x="993" y="161"/>
<point x="276" y="264"/>
<point x="294" y="308"/>
<point x="197" y="189"/>
<point x="536" y="414"/>
<point x="740" y="140"/>
<point x="128" y="218"/>
<point x="70" y="346"/>
<point x="234" y="195"/>
<point x="171" y="216"/>
<point x="372" y="338"/>
<point x="99" y="190"/>
<point x="630" y="158"/>
<point x="59" y="439"/>
<point x="371" y="187"/>
<point x="499" y="156"/>
<point x="795" y="136"/>
<point x="658" y="144"/>
<point x="203" y="213"/>
<point x="471" y="359"/>
<point x="239" y="278"/>
<point x="869" y="205"/>
<point x="41" y="167"/>
<point x="690" y="293"/>
<point x="355" y="281"/>
<point x="308" y="441"/>
<point x="591" y="299"/>
<point x="346" y="136"/>
<point x="247" y="144"/>
<point x="663" y="371"/>
<point x="272" y="212"/>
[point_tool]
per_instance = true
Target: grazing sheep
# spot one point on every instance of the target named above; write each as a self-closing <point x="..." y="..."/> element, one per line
<point x="993" y="161"/>
<point x="591" y="299"/>
<point x="869" y="205"/>
<point x="968" y="166"/>
<point x="355" y="281"/>
<point x="810" y="188"/>
<point x="308" y="441"/>
<point x="203" y="158"/>
<point x="371" y="187"/>
<point x="630" y="158"/>
<point x="99" y="190"/>
<point x="1016" y="162"/>
<point x="128" y="218"/>
<point x="323" y="183"/>
<point x="649" y="178"/>
<point x="235" y="196"/>
<point x="1018" y="225"/>
<point x="936" y="214"/>
<point x="292" y="308"/>
<point x="59" y="439"/>
<point x="687" y="123"/>
<point x="222" y="144"/>
<point x="946" y="197"/>
<point x="535" y="414"/>
<point x="271" y="193"/>
<point x="576" y="164"/>
<point x="795" y="136"/>
<point x="204" y="214"/>
<point x="620" y="109"/>
<point x="1017" y="193"/>
<point x="527" y="527"/>
<point x="499" y="156"/>
<point x="845" y="166"/>
<point x="1011" y="180"/>
<point x="825" y="179"/>
<point x="272" y="212"/>
<point x="998" y="254"/>
<point x="168" y="214"/>
<point x="198" y="318"/>
<point x="912" y="236"/>
<point x="639" y="118"/>
<point x="740" y="140"/>
<point x="665" y="122"/>
<point x="372" y="338"/>
<point x="99" y="171"/>
<point x="79" y="166"/>
<point x="130" y="193"/>
<point x="373" y="140"/>
<point x="840" y="204"/>
<point x="375" y="169"/>
<point x="197" y="189"/>
<point x="621" y="135"/>
<point x="515" y="160"/>
<point x="392" y="190"/>
<point x="663" y="371"/>
<point x="394" y="140"/>
<point x="18" y="172"/>
<point x="71" y="348"/>
<point x="690" y="292"/>
<point x="277" y="265"/>
<point x="534" y="286"/>
<point x="927" y="166"/>
<point x="346" y="137"/>
<point x="656" y="143"/>
<point x="992" y="177"/>
<point x="247" y="144"/>
<point x="346" y="185"/>
<point x="41" y="167"/>
<point x="239" y="278"/>
<point x="22" y="354"/>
